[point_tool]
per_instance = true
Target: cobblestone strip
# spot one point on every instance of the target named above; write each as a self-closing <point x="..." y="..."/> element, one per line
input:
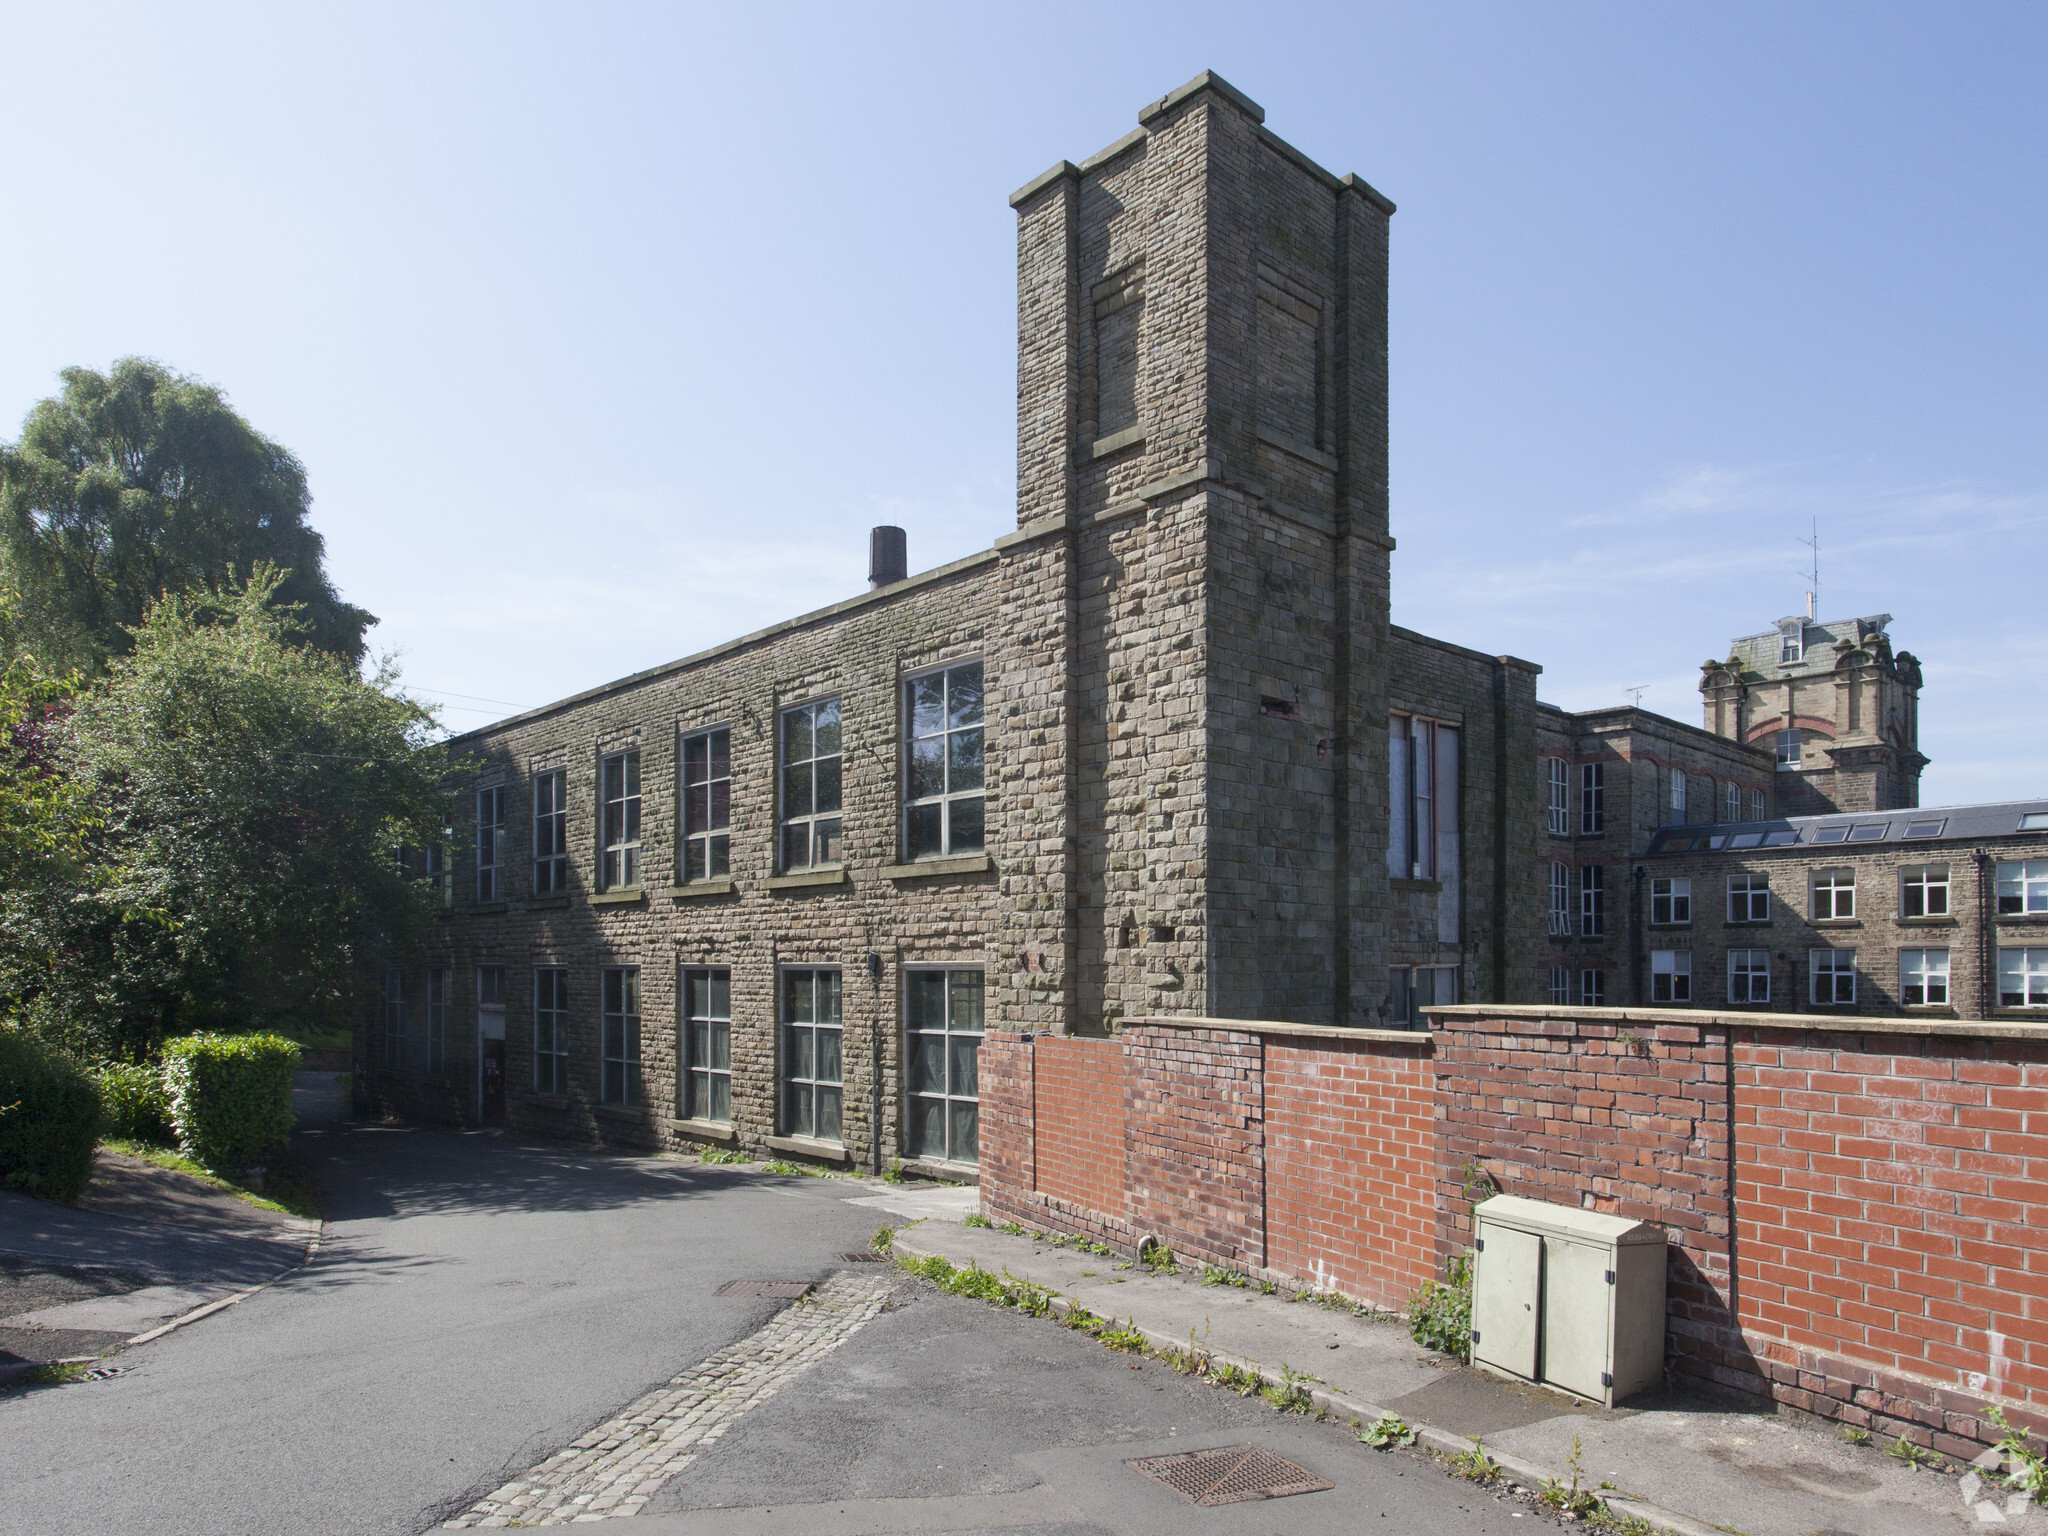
<point x="616" y="1468"/>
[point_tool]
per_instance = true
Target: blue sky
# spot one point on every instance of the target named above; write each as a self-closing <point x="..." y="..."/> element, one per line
<point x="605" y="332"/>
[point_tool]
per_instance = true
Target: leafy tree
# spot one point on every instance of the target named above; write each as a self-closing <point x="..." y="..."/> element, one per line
<point x="45" y="820"/>
<point x="252" y="793"/>
<point x="140" y="483"/>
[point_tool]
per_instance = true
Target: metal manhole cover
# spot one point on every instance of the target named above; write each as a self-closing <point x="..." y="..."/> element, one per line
<point x="779" y="1290"/>
<point x="1234" y="1474"/>
<point x="860" y="1258"/>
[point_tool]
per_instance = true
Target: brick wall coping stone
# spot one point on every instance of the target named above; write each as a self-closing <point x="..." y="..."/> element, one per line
<point x="1838" y="1024"/>
<point x="1272" y="1027"/>
<point x="1465" y="650"/>
<point x="725" y="648"/>
<point x="1207" y="80"/>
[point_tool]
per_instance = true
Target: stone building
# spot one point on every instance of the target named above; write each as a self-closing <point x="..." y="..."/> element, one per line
<point x="1157" y="750"/>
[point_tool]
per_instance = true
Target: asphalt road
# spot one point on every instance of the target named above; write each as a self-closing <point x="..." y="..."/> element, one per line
<point x="479" y="1302"/>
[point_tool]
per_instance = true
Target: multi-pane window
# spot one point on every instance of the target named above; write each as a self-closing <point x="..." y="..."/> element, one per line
<point x="1923" y="977"/>
<point x="621" y="1043"/>
<point x="707" y="1044"/>
<point x="1670" y="975"/>
<point x="1749" y="975"/>
<point x="1560" y="985"/>
<point x="439" y="983"/>
<point x="490" y="1001"/>
<point x="2022" y="886"/>
<point x="1791" y="646"/>
<point x="394" y="1018"/>
<point x="1833" y="975"/>
<point x="440" y="878"/>
<point x="1731" y="802"/>
<point x="1923" y="890"/>
<point x="1592" y="900"/>
<point x="1593" y="798"/>
<point x="707" y="805"/>
<point x="942" y="811"/>
<point x="1422" y="840"/>
<point x="1749" y="899"/>
<point x="1674" y="797"/>
<point x="1670" y="901"/>
<point x="1756" y="805"/>
<point x="1834" y="893"/>
<point x="1560" y="899"/>
<point x="811" y="1072"/>
<point x="810" y="786"/>
<point x="1414" y="988"/>
<point x="2023" y="978"/>
<point x="621" y="781"/>
<point x="490" y="830"/>
<point x="1557" y="796"/>
<point x="550" y="831"/>
<point x="943" y="1013"/>
<point x="551" y="1031"/>
<point x="1593" y="989"/>
<point x="1788" y="749"/>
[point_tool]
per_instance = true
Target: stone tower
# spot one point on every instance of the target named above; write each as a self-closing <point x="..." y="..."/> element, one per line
<point x="1193" y="627"/>
<point x="1837" y="706"/>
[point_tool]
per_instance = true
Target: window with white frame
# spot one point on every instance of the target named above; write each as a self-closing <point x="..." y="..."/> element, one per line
<point x="621" y="1042"/>
<point x="1674" y="797"/>
<point x="942" y="811"/>
<point x="2022" y="886"/>
<point x="490" y="829"/>
<point x="1423" y="841"/>
<point x="1832" y="973"/>
<point x="1592" y="900"/>
<point x="1756" y="805"/>
<point x="394" y="1017"/>
<point x="1834" y="894"/>
<point x="942" y="1019"/>
<point x="1788" y="749"/>
<point x="551" y="1031"/>
<point x="550" y="831"/>
<point x="1923" y="977"/>
<point x="1791" y="645"/>
<point x="620" y="779"/>
<point x="1557" y="796"/>
<point x="812" y="1075"/>
<point x="1593" y="798"/>
<point x="2023" y="978"/>
<point x="1749" y="898"/>
<point x="707" y="805"/>
<point x="440" y="982"/>
<point x="1749" y="975"/>
<point x="707" y="1043"/>
<point x="1923" y="890"/>
<point x="1560" y="986"/>
<point x="1731" y="802"/>
<point x="1670" y="901"/>
<point x="1560" y="899"/>
<point x="1670" y="975"/>
<point x="1593" y="989"/>
<point x="811" y="825"/>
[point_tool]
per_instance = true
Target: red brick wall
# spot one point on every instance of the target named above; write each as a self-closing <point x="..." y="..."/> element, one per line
<point x="1351" y="1165"/>
<point x="1003" y="1073"/>
<point x="1079" y="1094"/>
<point x="1890" y="1206"/>
<point x="1194" y="1128"/>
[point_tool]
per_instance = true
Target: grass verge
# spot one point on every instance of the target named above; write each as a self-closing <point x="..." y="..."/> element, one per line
<point x="285" y="1188"/>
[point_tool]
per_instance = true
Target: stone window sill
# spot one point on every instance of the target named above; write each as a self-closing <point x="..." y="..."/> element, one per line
<point x="1928" y="922"/>
<point x="2022" y="919"/>
<point x="620" y="1113"/>
<point x="808" y="879"/>
<point x="697" y="890"/>
<point x="923" y="869"/>
<point x="1929" y="1011"/>
<point x="551" y="902"/>
<point x="804" y="1146"/>
<point x="1428" y="887"/>
<point x="1836" y="922"/>
<point x="485" y="908"/>
<point x="629" y="897"/>
<point x="1117" y="442"/>
<point x="1746" y="922"/>
<point x="1306" y="452"/>
<point x="706" y="1130"/>
<point x="543" y="1101"/>
<point x="1685" y="927"/>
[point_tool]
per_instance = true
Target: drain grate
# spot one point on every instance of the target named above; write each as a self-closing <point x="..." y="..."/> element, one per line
<point x="1233" y="1474"/>
<point x="778" y="1290"/>
<point x="862" y="1258"/>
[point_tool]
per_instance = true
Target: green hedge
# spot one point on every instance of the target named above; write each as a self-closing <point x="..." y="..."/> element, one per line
<point x="134" y="1105"/>
<point x="231" y="1096"/>
<point x="49" y="1119"/>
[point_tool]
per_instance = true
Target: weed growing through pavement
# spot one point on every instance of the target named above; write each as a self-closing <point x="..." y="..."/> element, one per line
<point x="1125" y="1338"/>
<point x="1014" y="1228"/>
<point x="1440" y="1314"/>
<point x="1215" y="1275"/>
<point x="722" y="1155"/>
<point x="1918" y="1457"/>
<point x="894" y="1174"/>
<point x="58" y="1373"/>
<point x="1475" y="1465"/>
<point x="976" y="1220"/>
<point x="1290" y="1393"/>
<point x="1387" y="1431"/>
<point x="2025" y="1468"/>
<point x="1568" y="1498"/>
<point x="883" y="1240"/>
<point x="1856" y="1436"/>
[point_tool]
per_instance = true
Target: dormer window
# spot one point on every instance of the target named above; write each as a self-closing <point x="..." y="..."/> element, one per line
<point x="1791" y="645"/>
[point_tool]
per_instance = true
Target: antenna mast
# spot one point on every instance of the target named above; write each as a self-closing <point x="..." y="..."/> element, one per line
<point x="1813" y="576"/>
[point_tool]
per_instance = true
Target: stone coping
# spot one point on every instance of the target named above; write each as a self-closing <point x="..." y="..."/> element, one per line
<point x="1419" y="1037"/>
<point x="1820" y="1023"/>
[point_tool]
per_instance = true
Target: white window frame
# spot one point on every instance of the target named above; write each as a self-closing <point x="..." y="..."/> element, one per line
<point x="1560" y="899"/>
<point x="1560" y="986"/>
<point x="1926" y="887"/>
<point x="1731" y="801"/>
<point x="551" y="1031"/>
<point x="707" y="822"/>
<point x="1791" y="647"/>
<point x="618" y="806"/>
<point x="440" y="989"/>
<point x="1670" y="975"/>
<point x="1593" y="988"/>
<point x="2023" y="977"/>
<point x="1674" y="797"/>
<point x="1670" y="901"/>
<point x="811" y="834"/>
<point x="962" y="1023"/>
<point x="620" y="1082"/>
<point x="1832" y="971"/>
<point x="550" y="831"/>
<point x="1749" y="898"/>
<point x="2024" y="884"/>
<point x="1592" y="798"/>
<point x="1557" y="796"/>
<point x="1790" y="749"/>
<point x="706" y="1043"/>
<point x="490" y="833"/>
<point x="955" y="812"/>
<point x="1832" y="894"/>
<point x="1925" y="971"/>
<point x="804" y="1095"/>
<point x="1749" y="976"/>
<point x="1756" y="805"/>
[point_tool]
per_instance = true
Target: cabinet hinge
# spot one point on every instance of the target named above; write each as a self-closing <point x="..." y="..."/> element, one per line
<point x="1610" y="1277"/>
<point x="1475" y="1335"/>
<point x="1480" y="1246"/>
<point x="1606" y="1379"/>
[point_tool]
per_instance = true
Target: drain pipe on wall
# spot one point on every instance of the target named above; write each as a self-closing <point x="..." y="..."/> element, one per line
<point x="875" y="1061"/>
<point x="1987" y="983"/>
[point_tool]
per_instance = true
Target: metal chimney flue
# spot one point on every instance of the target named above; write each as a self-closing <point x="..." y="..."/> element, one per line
<point x="888" y="557"/>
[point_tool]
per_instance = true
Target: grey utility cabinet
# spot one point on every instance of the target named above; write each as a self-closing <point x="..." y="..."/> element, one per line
<point x="1569" y="1298"/>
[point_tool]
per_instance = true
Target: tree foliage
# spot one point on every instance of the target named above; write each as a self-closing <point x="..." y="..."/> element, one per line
<point x="248" y="796"/>
<point x="139" y="483"/>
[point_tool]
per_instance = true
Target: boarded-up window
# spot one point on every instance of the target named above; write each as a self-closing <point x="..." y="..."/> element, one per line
<point x="1119" y="302"/>
<point x="1290" y="331"/>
